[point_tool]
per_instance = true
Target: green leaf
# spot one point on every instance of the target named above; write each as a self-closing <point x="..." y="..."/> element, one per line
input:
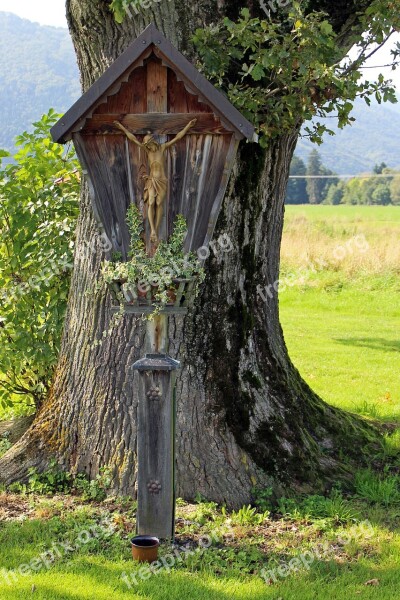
<point x="257" y="72"/>
<point x="326" y="28"/>
<point x="33" y="211"/>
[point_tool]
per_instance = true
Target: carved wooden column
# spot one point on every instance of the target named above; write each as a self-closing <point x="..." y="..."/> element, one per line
<point x="156" y="446"/>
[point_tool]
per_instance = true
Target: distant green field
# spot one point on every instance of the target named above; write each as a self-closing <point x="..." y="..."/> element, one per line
<point x="342" y="320"/>
<point x="346" y="213"/>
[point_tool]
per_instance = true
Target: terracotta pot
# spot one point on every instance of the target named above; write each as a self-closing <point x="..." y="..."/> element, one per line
<point x="145" y="548"/>
<point x="141" y="292"/>
<point x="171" y="293"/>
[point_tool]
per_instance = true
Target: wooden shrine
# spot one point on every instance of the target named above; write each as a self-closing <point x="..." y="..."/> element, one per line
<point x="151" y="89"/>
<point x="153" y="132"/>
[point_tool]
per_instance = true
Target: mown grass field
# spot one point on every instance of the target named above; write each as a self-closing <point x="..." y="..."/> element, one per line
<point x="341" y="321"/>
<point x="341" y="318"/>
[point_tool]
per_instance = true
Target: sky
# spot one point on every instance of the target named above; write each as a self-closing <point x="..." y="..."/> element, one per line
<point x="45" y="12"/>
<point x="52" y="12"/>
<point x="383" y="57"/>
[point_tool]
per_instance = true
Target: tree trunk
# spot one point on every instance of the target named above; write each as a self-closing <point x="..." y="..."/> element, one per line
<point x="15" y="429"/>
<point x="245" y="417"/>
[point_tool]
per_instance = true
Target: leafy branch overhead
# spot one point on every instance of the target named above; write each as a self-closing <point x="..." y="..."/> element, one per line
<point x="290" y="68"/>
<point x="280" y="74"/>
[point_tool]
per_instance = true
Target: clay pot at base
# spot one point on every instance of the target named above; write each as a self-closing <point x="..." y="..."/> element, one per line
<point x="145" y="548"/>
<point x="141" y="292"/>
<point x="171" y="293"/>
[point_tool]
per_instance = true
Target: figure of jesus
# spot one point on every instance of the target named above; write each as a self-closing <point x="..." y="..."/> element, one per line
<point x="156" y="185"/>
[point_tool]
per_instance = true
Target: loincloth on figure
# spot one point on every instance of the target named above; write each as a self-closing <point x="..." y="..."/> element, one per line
<point x="158" y="185"/>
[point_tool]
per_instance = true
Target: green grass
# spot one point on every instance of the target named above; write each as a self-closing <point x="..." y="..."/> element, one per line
<point x="341" y="325"/>
<point x="370" y="216"/>
<point x="342" y="328"/>
<point x="351" y="333"/>
<point x="342" y="554"/>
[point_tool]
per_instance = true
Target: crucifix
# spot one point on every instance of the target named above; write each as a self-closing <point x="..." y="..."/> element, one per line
<point x="156" y="185"/>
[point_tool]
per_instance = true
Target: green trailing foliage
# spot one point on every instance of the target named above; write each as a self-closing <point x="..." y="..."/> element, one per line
<point x="159" y="272"/>
<point x="39" y="193"/>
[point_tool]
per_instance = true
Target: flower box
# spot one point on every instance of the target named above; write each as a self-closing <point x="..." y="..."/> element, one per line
<point x="179" y="295"/>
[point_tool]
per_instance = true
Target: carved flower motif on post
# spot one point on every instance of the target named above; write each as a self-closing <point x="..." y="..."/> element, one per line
<point x="154" y="486"/>
<point x="154" y="393"/>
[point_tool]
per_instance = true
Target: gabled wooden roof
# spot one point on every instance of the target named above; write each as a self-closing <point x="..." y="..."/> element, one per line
<point x="122" y="67"/>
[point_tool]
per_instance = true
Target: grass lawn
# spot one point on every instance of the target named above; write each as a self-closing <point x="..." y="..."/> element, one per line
<point x="336" y="553"/>
<point x="341" y="321"/>
<point x="353" y="342"/>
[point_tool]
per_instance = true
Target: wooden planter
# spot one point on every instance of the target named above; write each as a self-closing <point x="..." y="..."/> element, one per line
<point x="135" y="301"/>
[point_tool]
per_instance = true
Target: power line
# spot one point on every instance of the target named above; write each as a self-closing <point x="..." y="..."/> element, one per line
<point x="343" y="176"/>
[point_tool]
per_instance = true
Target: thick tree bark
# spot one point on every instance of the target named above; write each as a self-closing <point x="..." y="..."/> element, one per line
<point x="245" y="417"/>
<point x="16" y="428"/>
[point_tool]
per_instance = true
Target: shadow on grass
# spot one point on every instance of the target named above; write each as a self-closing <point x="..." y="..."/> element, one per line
<point x="373" y="343"/>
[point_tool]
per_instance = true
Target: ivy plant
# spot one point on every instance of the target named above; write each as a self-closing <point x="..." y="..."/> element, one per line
<point x="159" y="272"/>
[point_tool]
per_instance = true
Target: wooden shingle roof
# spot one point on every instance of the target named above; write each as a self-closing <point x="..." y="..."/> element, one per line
<point x="120" y="70"/>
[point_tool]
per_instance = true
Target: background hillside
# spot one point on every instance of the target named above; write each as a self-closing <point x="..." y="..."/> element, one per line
<point x="38" y="71"/>
<point x="374" y="138"/>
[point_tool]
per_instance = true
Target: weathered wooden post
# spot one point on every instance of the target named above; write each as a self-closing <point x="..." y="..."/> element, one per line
<point x="156" y="445"/>
<point x="154" y="133"/>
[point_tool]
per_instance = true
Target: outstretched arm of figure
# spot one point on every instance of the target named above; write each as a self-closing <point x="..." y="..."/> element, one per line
<point x="128" y="134"/>
<point x="181" y="134"/>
